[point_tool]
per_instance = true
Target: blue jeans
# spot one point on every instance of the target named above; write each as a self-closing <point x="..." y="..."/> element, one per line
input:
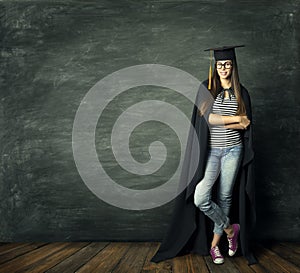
<point x="224" y="162"/>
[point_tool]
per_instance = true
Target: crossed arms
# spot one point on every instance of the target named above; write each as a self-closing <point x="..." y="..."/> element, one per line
<point x="232" y="122"/>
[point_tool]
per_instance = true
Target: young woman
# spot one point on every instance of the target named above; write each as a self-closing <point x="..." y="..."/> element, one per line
<point x="220" y="197"/>
<point x="227" y="118"/>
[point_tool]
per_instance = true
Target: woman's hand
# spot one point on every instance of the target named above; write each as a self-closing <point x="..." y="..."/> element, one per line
<point x="241" y="125"/>
<point x="244" y="121"/>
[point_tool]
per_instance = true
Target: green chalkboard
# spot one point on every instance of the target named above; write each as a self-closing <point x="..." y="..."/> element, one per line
<point x="54" y="52"/>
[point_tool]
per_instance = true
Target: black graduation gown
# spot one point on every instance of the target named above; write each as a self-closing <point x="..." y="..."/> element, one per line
<point x="190" y="231"/>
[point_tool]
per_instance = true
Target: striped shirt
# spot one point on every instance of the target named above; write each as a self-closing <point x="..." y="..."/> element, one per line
<point x="224" y="137"/>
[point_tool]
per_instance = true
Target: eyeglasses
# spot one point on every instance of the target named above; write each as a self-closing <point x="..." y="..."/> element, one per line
<point x="226" y="65"/>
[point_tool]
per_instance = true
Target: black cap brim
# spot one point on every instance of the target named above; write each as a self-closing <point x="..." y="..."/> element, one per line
<point x="223" y="48"/>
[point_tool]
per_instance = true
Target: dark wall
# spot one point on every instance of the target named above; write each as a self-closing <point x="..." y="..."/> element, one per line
<point x="53" y="52"/>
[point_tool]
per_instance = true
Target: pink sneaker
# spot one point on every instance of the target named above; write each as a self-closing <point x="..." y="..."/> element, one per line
<point x="216" y="255"/>
<point x="233" y="242"/>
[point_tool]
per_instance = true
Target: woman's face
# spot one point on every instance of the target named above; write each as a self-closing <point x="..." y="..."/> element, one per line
<point x="224" y="68"/>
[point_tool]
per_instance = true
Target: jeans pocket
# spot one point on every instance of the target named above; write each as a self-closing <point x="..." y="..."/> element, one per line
<point x="236" y="150"/>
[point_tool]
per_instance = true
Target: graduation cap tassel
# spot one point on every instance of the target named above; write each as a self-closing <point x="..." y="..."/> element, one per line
<point x="210" y="71"/>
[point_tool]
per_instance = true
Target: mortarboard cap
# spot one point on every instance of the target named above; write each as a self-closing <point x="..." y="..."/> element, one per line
<point x="224" y="52"/>
<point x="221" y="53"/>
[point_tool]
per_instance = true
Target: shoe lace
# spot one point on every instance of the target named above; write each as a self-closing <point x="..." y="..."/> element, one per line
<point x="230" y="242"/>
<point x="217" y="251"/>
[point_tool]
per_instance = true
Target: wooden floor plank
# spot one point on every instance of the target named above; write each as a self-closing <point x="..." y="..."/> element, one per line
<point x="106" y="259"/>
<point x="55" y="258"/>
<point x="199" y="263"/>
<point x="134" y="259"/>
<point x="272" y="262"/>
<point x="73" y="262"/>
<point x="189" y="263"/>
<point x="286" y="253"/>
<point x="294" y="246"/>
<point x="179" y="264"/>
<point x="15" y="252"/>
<point x="258" y="268"/>
<point x="226" y="267"/>
<point x="11" y="246"/>
<point x="151" y="267"/>
<point x="242" y="265"/>
<point x="21" y="262"/>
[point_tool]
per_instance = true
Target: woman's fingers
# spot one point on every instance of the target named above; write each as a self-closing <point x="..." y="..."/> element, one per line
<point x="245" y="121"/>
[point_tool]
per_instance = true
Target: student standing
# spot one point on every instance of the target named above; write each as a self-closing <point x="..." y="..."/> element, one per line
<point x="225" y="172"/>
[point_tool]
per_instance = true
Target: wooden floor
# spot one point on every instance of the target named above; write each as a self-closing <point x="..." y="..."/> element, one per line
<point x="133" y="257"/>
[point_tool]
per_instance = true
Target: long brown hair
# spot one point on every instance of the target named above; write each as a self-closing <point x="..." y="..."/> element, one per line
<point x="235" y="85"/>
